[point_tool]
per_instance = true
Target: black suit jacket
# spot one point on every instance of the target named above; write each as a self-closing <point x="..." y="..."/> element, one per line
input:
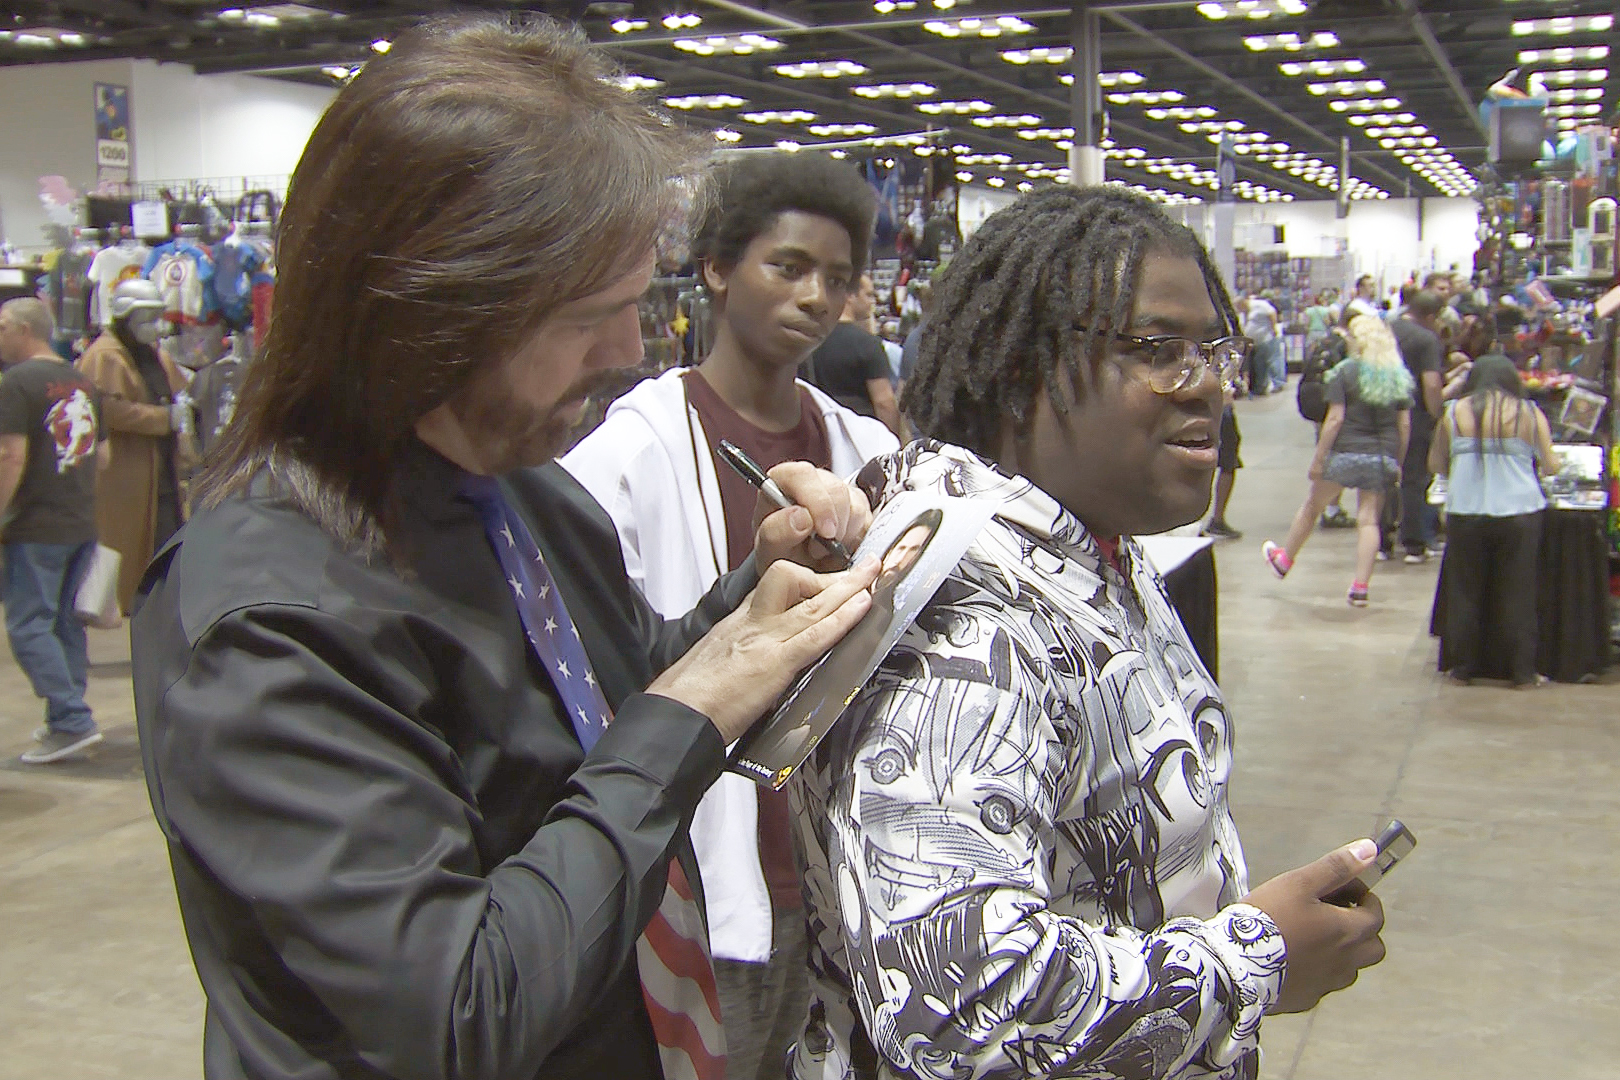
<point x="392" y="857"/>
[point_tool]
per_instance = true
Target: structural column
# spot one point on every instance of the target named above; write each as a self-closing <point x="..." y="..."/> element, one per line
<point x="1086" y="155"/>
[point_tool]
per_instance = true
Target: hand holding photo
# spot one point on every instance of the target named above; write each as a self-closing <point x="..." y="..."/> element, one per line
<point x="918" y="539"/>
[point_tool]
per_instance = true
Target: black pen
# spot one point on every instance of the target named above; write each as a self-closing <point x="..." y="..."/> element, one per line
<point x="750" y="471"/>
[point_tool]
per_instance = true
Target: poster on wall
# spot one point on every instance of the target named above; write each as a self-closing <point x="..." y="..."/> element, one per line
<point x="112" y="136"/>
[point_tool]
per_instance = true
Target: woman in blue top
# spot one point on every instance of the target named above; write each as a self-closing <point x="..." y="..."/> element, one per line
<point x="1360" y="445"/>
<point x="1490" y="445"/>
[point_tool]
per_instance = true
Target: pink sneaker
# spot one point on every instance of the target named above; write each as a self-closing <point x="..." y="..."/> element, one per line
<point x="1277" y="557"/>
<point x="1357" y="596"/>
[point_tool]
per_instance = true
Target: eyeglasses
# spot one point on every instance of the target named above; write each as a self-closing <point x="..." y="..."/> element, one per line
<point x="1175" y="363"/>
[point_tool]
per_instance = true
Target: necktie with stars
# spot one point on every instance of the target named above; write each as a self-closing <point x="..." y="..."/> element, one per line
<point x="672" y="954"/>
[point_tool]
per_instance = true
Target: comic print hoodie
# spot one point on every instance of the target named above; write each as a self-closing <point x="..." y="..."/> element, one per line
<point x="1019" y="857"/>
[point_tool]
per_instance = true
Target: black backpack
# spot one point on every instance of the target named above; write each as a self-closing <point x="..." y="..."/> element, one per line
<point x="1311" y="394"/>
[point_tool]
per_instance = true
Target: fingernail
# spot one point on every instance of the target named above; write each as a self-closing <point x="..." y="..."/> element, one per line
<point x="1365" y="850"/>
<point x="799" y="518"/>
<point x="829" y="527"/>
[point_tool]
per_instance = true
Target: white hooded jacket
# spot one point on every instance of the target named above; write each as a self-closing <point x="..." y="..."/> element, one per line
<point x="650" y="467"/>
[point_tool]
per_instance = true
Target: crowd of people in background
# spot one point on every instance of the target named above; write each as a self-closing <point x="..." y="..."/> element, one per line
<point x="1394" y="388"/>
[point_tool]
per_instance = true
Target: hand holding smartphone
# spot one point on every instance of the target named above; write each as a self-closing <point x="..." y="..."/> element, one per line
<point x="1329" y="918"/>
<point x="1394" y="844"/>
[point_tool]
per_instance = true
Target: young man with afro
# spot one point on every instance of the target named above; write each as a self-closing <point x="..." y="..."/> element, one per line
<point x="1019" y="856"/>
<point x="781" y="240"/>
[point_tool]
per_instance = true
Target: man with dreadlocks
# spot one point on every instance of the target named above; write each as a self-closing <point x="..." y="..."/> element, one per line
<point x="1020" y="860"/>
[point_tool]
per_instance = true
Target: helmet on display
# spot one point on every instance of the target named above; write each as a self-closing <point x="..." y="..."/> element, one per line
<point x="136" y="294"/>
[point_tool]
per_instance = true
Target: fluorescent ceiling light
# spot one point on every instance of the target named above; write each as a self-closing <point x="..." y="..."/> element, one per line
<point x="628" y="26"/>
<point x="381" y="45"/>
<point x="1579" y="54"/>
<point x="682" y="21"/>
<point x="1182" y="112"/>
<point x="844" y="131"/>
<point x="705" y="101"/>
<point x="772" y="116"/>
<point x="726" y="135"/>
<point x="1574" y="110"/>
<point x="1584" y="93"/>
<point x="1381" y="118"/>
<point x="1347" y="66"/>
<point x="1572" y="76"/>
<point x="889" y="7"/>
<point x="1212" y="125"/>
<point x="1250" y="9"/>
<point x="1147" y="97"/>
<point x="824" y="69"/>
<point x="1322" y="39"/>
<point x="1563" y="25"/>
<point x="894" y="90"/>
<point x="728" y="45"/>
<point x="955" y="108"/>
<point x="1058" y="55"/>
<point x="1346" y="87"/>
<point x="1365" y="104"/>
<point x="984" y="28"/>
<point x="637" y="82"/>
<point x="1046" y="133"/>
<point x="788" y="146"/>
<point x="984" y="159"/>
<point x="1023" y="120"/>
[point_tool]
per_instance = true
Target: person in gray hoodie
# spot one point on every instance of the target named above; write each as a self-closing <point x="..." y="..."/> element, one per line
<point x="781" y="240"/>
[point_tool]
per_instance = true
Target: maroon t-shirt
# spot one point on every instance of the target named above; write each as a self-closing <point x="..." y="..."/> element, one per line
<point x="807" y="441"/>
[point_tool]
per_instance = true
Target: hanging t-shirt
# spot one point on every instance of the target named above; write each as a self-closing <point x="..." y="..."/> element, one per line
<point x="109" y="267"/>
<point x="71" y="287"/>
<point x="59" y="410"/>
<point x="213" y="394"/>
<point x="807" y="441"/>
<point x="183" y="271"/>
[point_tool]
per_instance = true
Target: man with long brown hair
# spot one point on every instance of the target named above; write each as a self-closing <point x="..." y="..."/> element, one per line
<point x="425" y="759"/>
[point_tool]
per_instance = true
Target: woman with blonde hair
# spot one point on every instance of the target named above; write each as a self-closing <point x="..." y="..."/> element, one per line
<point x="1361" y="445"/>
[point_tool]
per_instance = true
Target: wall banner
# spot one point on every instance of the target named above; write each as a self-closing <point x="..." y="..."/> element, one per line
<point x="113" y="157"/>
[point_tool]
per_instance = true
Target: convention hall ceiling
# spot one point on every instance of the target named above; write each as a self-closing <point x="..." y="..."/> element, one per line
<point x="1285" y="78"/>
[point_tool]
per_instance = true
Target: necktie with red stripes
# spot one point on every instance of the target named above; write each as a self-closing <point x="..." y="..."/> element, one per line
<point x="672" y="954"/>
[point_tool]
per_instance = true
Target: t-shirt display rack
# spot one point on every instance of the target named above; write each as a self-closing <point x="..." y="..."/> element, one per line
<point x="213" y="262"/>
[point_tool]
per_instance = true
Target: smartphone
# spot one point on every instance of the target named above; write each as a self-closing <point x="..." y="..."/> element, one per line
<point x="1394" y="844"/>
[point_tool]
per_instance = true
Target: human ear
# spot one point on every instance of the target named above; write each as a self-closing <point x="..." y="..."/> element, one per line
<point x="715" y="279"/>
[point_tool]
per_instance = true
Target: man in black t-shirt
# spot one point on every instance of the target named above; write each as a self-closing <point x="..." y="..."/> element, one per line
<point x="50" y="444"/>
<point x="851" y="365"/>
<point x="1417" y="333"/>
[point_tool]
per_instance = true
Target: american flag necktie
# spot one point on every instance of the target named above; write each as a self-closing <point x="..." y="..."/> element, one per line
<point x="672" y="954"/>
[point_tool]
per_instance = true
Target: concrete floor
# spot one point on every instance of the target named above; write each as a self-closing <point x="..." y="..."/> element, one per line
<point x="1499" y="964"/>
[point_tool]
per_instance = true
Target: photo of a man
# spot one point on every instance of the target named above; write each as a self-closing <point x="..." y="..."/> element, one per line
<point x="786" y="739"/>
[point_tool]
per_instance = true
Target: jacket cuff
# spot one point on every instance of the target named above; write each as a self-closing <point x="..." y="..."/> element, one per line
<point x="1253" y="952"/>
<point x="667" y="741"/>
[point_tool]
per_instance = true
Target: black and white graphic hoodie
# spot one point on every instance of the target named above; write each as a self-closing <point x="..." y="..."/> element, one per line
<point x="1019" y="860"/>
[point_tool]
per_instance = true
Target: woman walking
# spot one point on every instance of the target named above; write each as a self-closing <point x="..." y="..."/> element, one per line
<point x="1361" y="444"/>
<point x="1489" y="444"/>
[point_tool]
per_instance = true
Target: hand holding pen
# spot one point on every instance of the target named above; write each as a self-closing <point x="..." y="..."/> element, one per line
<point x="749" y="470"/>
